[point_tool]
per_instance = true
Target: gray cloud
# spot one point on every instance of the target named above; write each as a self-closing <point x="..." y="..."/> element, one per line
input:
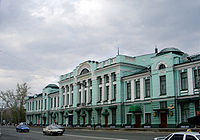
<point x="42" y="39"/>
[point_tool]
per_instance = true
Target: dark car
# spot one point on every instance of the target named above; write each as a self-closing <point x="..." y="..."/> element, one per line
<point x="22" y="128"/>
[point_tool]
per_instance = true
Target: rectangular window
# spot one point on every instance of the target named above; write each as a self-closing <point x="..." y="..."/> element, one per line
<point x="72" y="98"/>
<point x="71" y="87"/>
<point x="163" y="85"/>
<point x="33" y="106"/>
<point x="85" y="96"/>
<point x="36" y="105"/>
<point x="99" y="80"/>
<point x="67" y="100"/>
<point x="197" y="78"/>
<point x="79" y="97"/>
<point x="185" y="112"/>
<point x="107" y="93"/>
<point x="58" y="101"/>
<point x="63" y="100"/>
<point x="128" y="95"/>
<point x="55" y="102"/>
<point x="114" y="91"/>
<point x="107" y="78"/>
<point x="114" y="116"/>
<point x="51" y="102"/>
<point x="114" y="77"/>
<point x="129" y="118"/>
<point x="39" y="104"/>
<point x="148" y="118"/>
<point x="100" y="93"/>
<point x="45" y="104"/>
<point x="163" y="105"/>
<point x="137" y="87"/>
<point x="90" y="101"/>
<point x="99" y="117"/>
<point x="147" y="88"/>
<point x="184" y="82"/>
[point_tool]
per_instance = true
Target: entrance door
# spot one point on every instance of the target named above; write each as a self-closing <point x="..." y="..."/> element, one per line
<point x="163" y="120"/>
<point x="83" y="121"/>
<point x="106" y="121"/>
<point x="70" y="120"/>
<point x="137" y="120"/>
<point x="44" y="121"/>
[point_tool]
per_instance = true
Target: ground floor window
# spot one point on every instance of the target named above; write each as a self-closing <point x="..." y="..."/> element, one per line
<point x="128" y="118"/>
<point x="148" y="118"/>
<point x="185" y="112"/>
<point x="113" y="116"/>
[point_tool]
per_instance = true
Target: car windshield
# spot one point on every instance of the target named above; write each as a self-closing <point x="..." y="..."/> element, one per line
<point x="22" y="126"/>
<point x="198" y="136"/>
<point x="53" y="127"/>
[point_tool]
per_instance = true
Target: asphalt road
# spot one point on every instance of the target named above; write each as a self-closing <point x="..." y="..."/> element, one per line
<point x="9" y="133"/>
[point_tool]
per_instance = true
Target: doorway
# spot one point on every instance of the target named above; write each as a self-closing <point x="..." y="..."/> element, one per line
<point x="163" y="120"/>
<point x="137" y="120"/>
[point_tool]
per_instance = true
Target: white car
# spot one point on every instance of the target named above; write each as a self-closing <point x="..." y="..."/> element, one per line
<point x="52" y="130"/>
<point x="181" y="136"/>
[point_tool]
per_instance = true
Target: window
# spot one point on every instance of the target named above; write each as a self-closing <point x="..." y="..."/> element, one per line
<point x="33" y="106"/>
<point x="113" y="116"/>
<point x="67" y="100"/>
<point x="72" y="98"/>
<point x="177" y="137"/>
<point x="79" y="97"/>
<point x="114" y="91"/>
<point x="147" y="88"/>
<point x="129" y="118"/>
<point x="67" y="88"/>
<point x="163" y="85"/>
<point x="184" y="84"/>
<point x="185" y="112"/>
<point x="113" y="77"/>
<point x="85" y="96"/>
<point x="196" y="78"/>
<point x="107" y="78"/>
<point x="163" y="105"/>
<point x="36" y="105"/>
<point x="55" y="102"/>
<point x="71" y="87"/>
<point x="148" y="118"/>
<point x="99" y="117"/>
<point x="63" y="100"/>
<point x="39" y="104"/>
<point x="51" y="102"/>
<point x="58" y="101"/>
<point x="63" y="89"/>
<point x="45" y="103"/>
<point x="128" y="95"/>
<point x="84" y="71"/>
<point x="90" y="100"/>
<point x="162" y="66"/>
<point x="107" y="93"/>
<point x="100" y="93"/>
<point x="78" y="117"/>
<point x="89" y="82"/>
<point x="99" y="80"/>
<point x="137" y="87"/>
<point x="189" y="137"/>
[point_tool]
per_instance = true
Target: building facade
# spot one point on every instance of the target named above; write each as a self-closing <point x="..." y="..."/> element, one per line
<point x="155" y="90"/>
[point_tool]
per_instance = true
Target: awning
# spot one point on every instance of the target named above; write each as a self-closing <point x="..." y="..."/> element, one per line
<point x="135" y="109"/>
<point x="194" y="120"/>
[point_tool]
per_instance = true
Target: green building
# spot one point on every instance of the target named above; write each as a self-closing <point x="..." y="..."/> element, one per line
<point x="155" y="90"/>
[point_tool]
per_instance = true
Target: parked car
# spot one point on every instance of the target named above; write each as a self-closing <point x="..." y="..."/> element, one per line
<point x="52" y="130"/>
<point x="22" y="128"/>
<point x="181" y="136"/>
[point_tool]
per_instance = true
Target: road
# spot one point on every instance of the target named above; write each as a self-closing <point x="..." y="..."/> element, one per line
<point x="9" y="133"/>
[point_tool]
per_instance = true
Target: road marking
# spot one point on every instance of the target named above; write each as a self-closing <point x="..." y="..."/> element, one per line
<point x="91" y="137"/>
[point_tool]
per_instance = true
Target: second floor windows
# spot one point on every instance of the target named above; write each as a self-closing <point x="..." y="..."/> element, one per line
<point x="184" y="82"/>
<point x="163" y="85"/>
<point x="128" y="96"/>
<point x="147" y="88"/>
<point x="137" y="89"/>
<point x="197" y="78"/>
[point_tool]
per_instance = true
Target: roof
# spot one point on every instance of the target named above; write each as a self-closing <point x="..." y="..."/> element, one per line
<point x="51" y="86"/>
<point x="168" y="50"/>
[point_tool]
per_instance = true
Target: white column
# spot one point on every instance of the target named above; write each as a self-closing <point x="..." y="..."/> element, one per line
<point x="110" y="88"/>
<point x="142" y="88"/>
<point x="103" y="88"/>
<point x="132" y="90"/>
<point x="190" y="82"/>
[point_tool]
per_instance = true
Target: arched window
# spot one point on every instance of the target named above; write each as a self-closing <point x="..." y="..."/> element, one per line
<point x="84" y="71"/>
<point x="162" y="66"/>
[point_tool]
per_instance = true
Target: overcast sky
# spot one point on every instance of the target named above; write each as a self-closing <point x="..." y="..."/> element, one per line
<point x="42" y="39"/>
